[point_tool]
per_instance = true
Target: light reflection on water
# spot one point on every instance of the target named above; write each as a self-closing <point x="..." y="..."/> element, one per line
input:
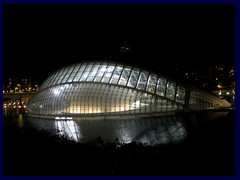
<point x="151" y="131"/>
<point x="69" y="129"/>
<point x="20" y="120"/>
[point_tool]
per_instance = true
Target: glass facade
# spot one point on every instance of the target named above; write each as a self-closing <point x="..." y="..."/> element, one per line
<point x="105" y="88"/>
<point x="198" y="101"/>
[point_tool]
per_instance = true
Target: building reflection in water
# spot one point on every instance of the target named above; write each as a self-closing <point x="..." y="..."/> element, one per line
<point x="151" y="131"/>
<point x="68" y="129"/>
<point x="20" y="120"/>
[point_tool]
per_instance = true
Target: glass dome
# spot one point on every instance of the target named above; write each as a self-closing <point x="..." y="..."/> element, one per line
<point x="108" y="88"/>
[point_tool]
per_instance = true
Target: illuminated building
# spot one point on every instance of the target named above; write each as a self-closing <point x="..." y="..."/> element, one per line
<point x="112" y="88"/>
<point x="19" y="85"/>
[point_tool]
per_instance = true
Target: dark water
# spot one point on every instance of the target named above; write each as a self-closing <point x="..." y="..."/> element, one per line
<point x="196" y="144"/>
<point x="149" y="131"/>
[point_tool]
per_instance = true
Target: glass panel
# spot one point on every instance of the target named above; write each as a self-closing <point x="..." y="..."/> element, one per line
<point x="152" y="81"/>
<point x="84" y="76"/>
<point x="98" y="78"/>
<point x="67" y="74"/>
<point x="93" y="73"/>
<point x="88" y="68"/>
<point x="142" y="80"/>
<point x="52" y="79"/>
<point x="124" y="77"/>
<point x="73" y="74"/>
<point x="46" y="82"/>
<point x="133" y="78"/>
<point x="161" y="85"/>
<point x="180" y="96"/>
<point x="100" y="73"/>
<point x="116" y="74"/>
<point x="103" y="68"/>
<point x="110" y="68"/>
<point x="79" y="73"/>
<point x="62" y="75"/>
<point x="171" y="87"/>
<point x="106" y="77"/>
<point x="57" y="77"/>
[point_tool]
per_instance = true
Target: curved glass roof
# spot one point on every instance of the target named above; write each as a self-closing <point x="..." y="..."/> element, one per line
<point x="112" y="73"/>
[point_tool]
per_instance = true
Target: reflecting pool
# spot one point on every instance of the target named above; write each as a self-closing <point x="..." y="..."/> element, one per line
<point x="151" y="130"/>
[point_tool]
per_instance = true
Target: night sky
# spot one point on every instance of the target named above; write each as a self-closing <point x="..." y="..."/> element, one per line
<point x="39" y="39"/>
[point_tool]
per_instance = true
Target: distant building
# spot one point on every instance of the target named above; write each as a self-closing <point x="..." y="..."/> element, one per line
<point x="224" y="75"/>
<point x="23" y="84"/>
<point x="208" y="78"/>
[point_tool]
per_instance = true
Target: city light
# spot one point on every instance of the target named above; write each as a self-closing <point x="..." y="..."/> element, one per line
<point x="220" y="92"/>
<point x="17" y="85"/>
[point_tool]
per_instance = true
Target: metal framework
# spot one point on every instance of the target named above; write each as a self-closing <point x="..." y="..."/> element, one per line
<point x="106" y="88"/>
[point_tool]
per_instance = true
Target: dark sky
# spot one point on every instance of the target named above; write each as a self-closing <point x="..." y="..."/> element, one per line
<point x="39" y="39"/>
